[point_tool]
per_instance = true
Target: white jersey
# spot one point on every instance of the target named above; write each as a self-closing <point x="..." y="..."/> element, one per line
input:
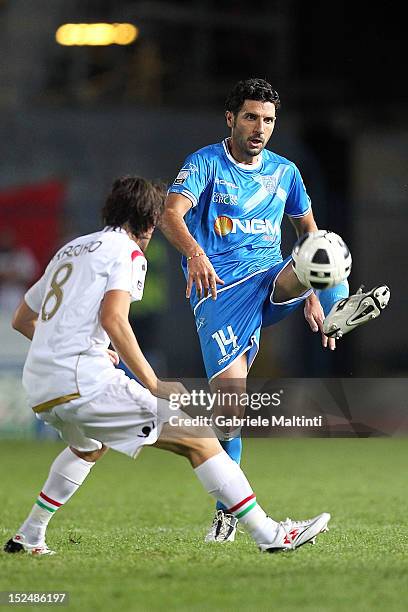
<point x="67" y="357"/>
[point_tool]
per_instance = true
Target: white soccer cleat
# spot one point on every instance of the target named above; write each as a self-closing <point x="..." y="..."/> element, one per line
<point x="293" y="534"/>
<point x="19" y="544"/>
<point x="355" y="310"/>
<point x="290" y="524"/>
<point x="223" y="528"/>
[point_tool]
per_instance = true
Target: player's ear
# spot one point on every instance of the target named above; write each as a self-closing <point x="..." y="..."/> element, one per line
<point x="230" y="119"/>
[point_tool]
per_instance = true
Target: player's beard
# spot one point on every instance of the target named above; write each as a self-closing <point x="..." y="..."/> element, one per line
<point x="243" y="145"/>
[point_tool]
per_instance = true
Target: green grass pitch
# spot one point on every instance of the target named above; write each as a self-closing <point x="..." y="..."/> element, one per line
<point x="132" y="537"/>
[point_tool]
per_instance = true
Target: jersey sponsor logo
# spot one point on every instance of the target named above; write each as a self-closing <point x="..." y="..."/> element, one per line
<point x="225" y="198"/>
<point x="218" y="181"/>
<point x="225" y="225"/>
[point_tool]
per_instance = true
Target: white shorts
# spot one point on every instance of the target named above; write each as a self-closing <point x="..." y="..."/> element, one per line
<point x="124" y="417"/>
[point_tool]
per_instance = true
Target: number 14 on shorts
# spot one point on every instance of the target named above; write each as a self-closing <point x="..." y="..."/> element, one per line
<point x="222" y="340"/>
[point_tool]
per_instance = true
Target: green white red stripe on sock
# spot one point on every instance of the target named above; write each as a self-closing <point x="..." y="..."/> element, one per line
<point x="243" y="507"/>
<point x="47" y="503"/>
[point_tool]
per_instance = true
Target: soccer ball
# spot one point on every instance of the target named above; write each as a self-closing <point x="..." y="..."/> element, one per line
<point x="321" y="259"/>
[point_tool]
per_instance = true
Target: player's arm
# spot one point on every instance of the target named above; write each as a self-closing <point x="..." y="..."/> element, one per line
<point x="200" y="270"/>
<point x="24" y="320"/>
<point x="114" y="317"/>
<point x="313" y="310"/>
<point x="304" y="224"/>
<point x="174" y="227"/>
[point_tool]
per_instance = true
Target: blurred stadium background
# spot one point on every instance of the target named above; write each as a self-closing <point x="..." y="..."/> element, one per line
<point x="75" y="117"/>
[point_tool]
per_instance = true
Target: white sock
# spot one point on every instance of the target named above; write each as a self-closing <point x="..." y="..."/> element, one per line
<point x="224" y="480"/>
<point x="66" y="475"/>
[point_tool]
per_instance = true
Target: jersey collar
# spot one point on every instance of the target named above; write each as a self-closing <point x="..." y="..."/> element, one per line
<point x="246" y="167"/>
<point x="120" y="230"/>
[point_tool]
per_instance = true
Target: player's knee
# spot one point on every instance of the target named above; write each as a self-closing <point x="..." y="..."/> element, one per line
<point x="90" y="456"/>
<point x="223" y="414"/>
<point x="194" y="447"/>
<point x="200" y="449"/>
<point x="184" y="446"/>
<point x="191" y="442"/>
<point x="287" y="286"/>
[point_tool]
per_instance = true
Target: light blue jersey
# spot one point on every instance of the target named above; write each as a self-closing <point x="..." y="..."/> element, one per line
<point x="236" y="217"/>
<point x="240" y="206"/>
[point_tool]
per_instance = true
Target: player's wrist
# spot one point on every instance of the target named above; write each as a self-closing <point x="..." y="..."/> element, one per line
<point x="312" y="298"/>
<point x="151" y="382"/>
<point x="194" y="255"/>
<point x="193" y="249"/>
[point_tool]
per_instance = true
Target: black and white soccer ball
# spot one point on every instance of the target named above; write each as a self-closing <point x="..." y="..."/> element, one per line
<point x="321" y="259"/>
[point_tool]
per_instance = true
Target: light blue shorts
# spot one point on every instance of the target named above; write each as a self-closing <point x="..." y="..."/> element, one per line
<point x="231" y="325"/>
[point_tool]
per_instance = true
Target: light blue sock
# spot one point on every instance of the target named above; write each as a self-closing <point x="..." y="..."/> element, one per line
<point x="233" y="448"/>
<point x="328" y="297"/>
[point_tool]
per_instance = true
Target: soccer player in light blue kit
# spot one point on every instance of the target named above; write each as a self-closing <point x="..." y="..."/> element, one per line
<point x="223" y="213"/>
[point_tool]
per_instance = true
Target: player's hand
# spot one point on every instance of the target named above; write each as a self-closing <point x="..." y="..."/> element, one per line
<point x="113" y="356"/>
<point x="202" y="274"/>
<point x="166" y="388"/>
<point x="314" y="315"/>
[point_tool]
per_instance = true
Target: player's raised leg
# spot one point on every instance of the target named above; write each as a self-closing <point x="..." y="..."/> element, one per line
<point x="329" y="297"/>
<point x="322" y="260"/>
<point x="287" y="293"/>
<point x="358" y="309"/>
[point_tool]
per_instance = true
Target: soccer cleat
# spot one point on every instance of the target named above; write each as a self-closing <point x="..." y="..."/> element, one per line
<point x="293" y="534"/>
<point x="223" y="528"/>
<point x="290" y="524"/>
<point x="18" y="544"/>
<point x="355" y="310"/>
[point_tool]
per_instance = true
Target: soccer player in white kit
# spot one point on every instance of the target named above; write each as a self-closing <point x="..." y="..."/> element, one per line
<point x="71" y="315"/>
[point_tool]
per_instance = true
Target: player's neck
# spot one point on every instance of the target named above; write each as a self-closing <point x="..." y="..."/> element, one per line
<point x="141" y="242"/>
<point x="239" y="156"/>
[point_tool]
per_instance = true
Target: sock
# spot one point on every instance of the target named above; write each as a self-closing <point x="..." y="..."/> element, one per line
<point x="328" y="297"/>
<point x="66" y="475"/>
<point x="223" y="479"/>
<point x="233" y="448"/>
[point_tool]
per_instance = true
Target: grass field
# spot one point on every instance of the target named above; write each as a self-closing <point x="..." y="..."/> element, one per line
<point x="132" y="537"/>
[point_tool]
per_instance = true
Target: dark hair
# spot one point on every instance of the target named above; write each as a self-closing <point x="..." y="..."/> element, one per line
<point x="135" y="202"/>
<point x="251" y="89"/>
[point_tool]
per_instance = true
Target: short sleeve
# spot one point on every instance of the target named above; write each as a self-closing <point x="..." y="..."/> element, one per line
<point x="35" y="295"/>
<point x="192" y="178"/>
<point x="298" y="203"/>
<point x="128" y="273"/>
<point x="139" y="269"/>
